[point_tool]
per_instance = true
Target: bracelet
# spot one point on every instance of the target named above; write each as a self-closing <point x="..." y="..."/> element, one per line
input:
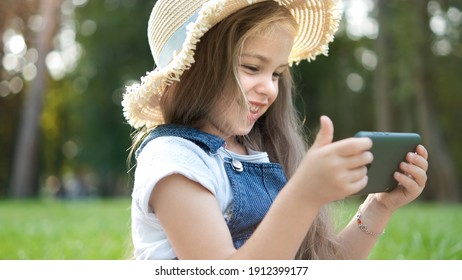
<point x="363" y="227"/>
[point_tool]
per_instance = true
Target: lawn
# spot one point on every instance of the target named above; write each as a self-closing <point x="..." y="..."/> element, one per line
<point x="55" y="230"/>
<point x="418" y="231"/>
<point x="100" y="230"/>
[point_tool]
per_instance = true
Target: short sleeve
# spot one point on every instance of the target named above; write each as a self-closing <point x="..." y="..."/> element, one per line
<point x="166" y="156"/>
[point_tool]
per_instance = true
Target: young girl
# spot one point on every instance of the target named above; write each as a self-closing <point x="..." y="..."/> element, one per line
<point x="223" y="171"/>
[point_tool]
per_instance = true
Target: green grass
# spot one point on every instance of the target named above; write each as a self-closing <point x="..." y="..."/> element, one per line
<point x="418" y="231"/>
<point x="64" y="230"/>
<point x="100" y="230"/>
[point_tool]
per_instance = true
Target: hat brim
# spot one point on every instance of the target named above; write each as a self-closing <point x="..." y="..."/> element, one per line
<point x="318" y="21"/>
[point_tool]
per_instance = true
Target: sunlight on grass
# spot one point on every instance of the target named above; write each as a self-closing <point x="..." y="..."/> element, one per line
<point x="419" y="231"/>
<point x="50" y="230"/>
<point x="100" y="230"/>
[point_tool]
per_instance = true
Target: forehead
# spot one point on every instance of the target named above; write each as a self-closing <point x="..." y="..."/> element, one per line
<point x="269" y="48"/>
<point x="271" y="33"/>
<point x="276" y="34"/>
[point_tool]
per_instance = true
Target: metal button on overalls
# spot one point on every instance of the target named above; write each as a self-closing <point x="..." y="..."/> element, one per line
<point x="254" y="187"/>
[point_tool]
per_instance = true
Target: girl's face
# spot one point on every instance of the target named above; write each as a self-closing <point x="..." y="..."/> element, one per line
<point x="263" y="60"/>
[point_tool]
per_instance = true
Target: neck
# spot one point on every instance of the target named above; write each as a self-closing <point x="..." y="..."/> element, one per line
<point x="231" y="142"/>
<point x="235" y="146"/>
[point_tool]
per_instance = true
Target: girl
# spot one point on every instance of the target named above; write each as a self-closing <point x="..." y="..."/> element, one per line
<point x="222" y="169"/>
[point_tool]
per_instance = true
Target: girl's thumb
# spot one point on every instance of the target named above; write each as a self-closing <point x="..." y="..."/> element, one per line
<point x="325" y="134"/>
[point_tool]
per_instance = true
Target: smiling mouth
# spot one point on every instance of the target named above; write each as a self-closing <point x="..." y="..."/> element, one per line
<point x="254" y="109"/>
<point x="254" y="112"/>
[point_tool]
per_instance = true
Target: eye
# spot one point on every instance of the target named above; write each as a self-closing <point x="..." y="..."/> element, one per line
<point x="250" y="68"/>
<point x="277" y="75"/>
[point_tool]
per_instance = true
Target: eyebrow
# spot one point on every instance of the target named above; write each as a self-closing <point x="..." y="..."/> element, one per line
<point x="262" y="58"/>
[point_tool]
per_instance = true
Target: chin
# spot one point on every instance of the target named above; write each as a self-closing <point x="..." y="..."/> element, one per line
<point x="244" y="130"/>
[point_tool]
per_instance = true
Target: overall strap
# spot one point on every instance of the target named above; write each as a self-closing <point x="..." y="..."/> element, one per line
<point x="207" y="142"/>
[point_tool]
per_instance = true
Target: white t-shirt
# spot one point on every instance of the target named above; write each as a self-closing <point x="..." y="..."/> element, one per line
<point x="169" y="155"/>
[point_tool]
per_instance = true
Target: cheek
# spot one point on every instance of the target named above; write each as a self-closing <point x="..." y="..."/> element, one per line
<point x="246" y="82"/>
<point x="274" y="95"/>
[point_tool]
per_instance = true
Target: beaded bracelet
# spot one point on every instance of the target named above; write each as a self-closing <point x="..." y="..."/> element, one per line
<point x="363" y="227"/>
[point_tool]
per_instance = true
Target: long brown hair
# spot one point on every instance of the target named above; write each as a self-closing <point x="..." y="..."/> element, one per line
<point x="279" y="131"/>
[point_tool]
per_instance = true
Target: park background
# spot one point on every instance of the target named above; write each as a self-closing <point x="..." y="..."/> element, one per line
<point x="395" y="65"/>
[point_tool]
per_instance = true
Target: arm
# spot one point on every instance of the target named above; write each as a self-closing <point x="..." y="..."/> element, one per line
<point x="196" y="229"/>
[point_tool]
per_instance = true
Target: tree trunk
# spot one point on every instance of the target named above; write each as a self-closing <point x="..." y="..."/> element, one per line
<point x="443" y="184"/>
<point x="381" y="78"/>
<point x="25" y="165"/>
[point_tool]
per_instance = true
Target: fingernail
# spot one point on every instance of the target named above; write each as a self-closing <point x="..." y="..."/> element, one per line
<point x="404" y="166"/>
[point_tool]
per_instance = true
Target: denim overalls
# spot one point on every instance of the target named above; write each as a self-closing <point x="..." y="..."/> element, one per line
<point x="254" y="188"/>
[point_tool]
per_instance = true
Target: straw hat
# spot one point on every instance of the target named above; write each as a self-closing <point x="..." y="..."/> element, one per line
<point x="175" y="27"/>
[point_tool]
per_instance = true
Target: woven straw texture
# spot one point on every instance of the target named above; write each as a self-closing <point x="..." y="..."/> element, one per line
<point x="318" y="21"/>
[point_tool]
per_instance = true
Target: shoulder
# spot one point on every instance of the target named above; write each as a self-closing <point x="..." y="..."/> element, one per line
<point x="173" y="150"/>
<point x="170" y="155"/>
<point x="175" y="155"/>
<point x="170" y="147"/>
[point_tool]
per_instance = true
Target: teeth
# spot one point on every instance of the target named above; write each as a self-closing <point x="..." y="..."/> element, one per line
<point x="254" y="108"/>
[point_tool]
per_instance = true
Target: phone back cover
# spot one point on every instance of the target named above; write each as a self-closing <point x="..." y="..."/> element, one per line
<point x="389" y="150"/>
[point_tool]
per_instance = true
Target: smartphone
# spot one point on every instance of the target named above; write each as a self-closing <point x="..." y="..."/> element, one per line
<point x="389" y="150"/>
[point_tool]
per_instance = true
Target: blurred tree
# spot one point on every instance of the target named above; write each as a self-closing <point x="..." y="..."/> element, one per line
<point x="408" y="77"/>
<point x="443" y="179"/>
<point x="391" y="80"/>
<point x="382" y="83"/>
<point x="446" y="97"/>
<point x="94" y="137"/>
<point x="395" y="65"/>
<point x="13" y="15"/>
<point x="25" y="164"/>
<point x="84" y="135"/>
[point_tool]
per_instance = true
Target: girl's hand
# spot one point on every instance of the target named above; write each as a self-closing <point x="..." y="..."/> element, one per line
<point x="411" y="181"/>
<point x="333" y="170"/>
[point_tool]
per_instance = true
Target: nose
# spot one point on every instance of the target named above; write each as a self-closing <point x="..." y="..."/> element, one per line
<point x="268" y="86"/>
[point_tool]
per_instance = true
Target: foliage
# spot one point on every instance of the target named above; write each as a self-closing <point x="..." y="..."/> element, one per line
<point x="412" y="86"/>
<point x="87" y="128"/>
<point x="85" y="138"/>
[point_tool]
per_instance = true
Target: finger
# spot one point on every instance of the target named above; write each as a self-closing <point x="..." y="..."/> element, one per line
<point x="422" y="151"/>
<point x="417" y="160"/>
<point x="352" y="146"/>
<point x="407" y="182"/>
<point x="325" y="134"/>
<point x="360" y="160"/>
<point x="415" y="173"/>
<point x="357" y="174"/>
<point x="359" y="185"/>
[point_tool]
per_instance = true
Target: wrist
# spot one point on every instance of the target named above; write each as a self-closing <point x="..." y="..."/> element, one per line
<point x="372" y="217"/>
<point x="376" y="207"/>
<point x="363" y="226"/>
